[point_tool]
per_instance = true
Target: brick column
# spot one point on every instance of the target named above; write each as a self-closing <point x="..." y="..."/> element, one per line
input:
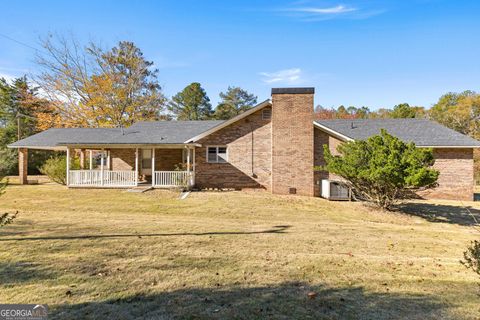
<point x="82" y="158"/>
<point x="23" y="165"/>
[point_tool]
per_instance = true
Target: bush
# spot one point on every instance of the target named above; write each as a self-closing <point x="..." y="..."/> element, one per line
<point x="472" y="257"/>
<point x="382" y="169"/>
<point x="5" y="218"/>
<point x="56" y="168"/>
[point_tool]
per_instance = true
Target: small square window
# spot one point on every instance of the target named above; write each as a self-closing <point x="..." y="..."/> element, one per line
<point x="217" y="154"/>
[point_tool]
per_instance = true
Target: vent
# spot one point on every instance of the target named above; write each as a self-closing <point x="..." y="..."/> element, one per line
<point x="292" y="190"/>
<point x="267" y="114"/>
<point x="335" y="190"/>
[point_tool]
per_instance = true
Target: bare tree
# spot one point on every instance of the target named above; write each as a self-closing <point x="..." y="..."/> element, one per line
<point x="94" y="87"/>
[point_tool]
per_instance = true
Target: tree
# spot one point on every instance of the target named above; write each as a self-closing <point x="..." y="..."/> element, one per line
<point x="20" y="112"/>
<point x="382" y="169"/>
<point x="94" y="87"/>
<point x="324" y="113"/>
<point x="459" y="111"/>
<point x="402" y="110"/>
<point x="234" y="101"/>
<point x="192" y="103"/>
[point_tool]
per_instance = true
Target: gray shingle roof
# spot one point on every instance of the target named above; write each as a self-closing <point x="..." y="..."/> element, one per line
<point x="155" y="132"/>
<point x="420" y="131"/>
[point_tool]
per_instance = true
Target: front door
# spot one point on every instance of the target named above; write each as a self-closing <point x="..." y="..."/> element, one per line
<point x="146" y="162"/>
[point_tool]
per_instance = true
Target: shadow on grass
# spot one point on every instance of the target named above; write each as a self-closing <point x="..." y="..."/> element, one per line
<point x="20" y="272"/>
<point x="442" y="213"/>
<point x="274" y="229"/>
<point x="285" y="301"/>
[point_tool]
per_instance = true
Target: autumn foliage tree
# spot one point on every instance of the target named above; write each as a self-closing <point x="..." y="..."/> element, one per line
<point x="459" y="111"/>
<point x="93" y="87"/>
<point x="23" y="112"/>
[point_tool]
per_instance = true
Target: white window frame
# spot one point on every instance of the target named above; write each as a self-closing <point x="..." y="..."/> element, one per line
<point x="216" y="147"/>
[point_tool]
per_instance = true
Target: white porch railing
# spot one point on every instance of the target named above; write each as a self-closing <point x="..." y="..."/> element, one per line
<point x="95" y="178"/>
<point x="168" y="179"/>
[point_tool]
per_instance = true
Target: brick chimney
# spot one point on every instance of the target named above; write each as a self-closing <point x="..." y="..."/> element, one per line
<point x="292" y="141"/>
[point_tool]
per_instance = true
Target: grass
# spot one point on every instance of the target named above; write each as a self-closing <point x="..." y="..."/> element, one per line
<point x="97" y="254"/>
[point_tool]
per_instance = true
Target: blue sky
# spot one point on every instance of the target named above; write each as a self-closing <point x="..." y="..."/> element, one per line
<point x="363" y="53"/>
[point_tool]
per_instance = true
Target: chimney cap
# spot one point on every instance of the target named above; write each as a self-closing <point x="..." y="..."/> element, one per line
<point x="293" y="90"/>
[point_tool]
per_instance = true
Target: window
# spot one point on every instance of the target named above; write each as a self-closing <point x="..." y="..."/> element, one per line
<point x="217" y="154"/>
<point x="146" y="158"/>
<point x="267" y="114"/>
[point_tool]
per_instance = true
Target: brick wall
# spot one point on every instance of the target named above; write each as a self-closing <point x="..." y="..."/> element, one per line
<point x="167" y="159"/>
<point x="249" y="147"/>
<point x="122" y="159"/>
<point x="322" y="138"/>
<point x="456" y="175"/>
<point x="293" y="145"/>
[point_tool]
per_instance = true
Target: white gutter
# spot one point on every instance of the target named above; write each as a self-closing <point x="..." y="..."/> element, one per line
<point x="332" y="132"/>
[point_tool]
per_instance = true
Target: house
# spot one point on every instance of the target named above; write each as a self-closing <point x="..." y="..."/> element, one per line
<point x="273" y="146"/>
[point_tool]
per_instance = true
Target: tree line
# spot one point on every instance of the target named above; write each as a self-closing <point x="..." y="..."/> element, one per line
<point x="458" y="111"/>
<point x="91" y="86"/>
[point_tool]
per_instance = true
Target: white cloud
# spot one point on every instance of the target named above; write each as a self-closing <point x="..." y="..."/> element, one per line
<point x="312" y="13"/>
<point x="287" y="76"/>
<point x="332" y="10"/>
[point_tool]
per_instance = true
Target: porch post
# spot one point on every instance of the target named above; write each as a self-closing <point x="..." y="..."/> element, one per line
<point x="108" y="160"/>
<point x="68" y="166"/>
<point x="23" y="165"/>
<point x="91" y="160"/>
<point x="193" y="165"/>
<point x="153" y="167"/>
<point x="189" y="177"/>
<point x="136" y="166"/>
<point x="101" y="166"/>
<point x="82" y="158"/>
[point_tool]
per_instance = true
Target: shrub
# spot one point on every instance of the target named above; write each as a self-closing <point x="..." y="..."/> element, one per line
<point x="472" y="257"/>
<point x="382" y="169"/>
<point x="56" y="168"/>
<point x="5" y="218"/>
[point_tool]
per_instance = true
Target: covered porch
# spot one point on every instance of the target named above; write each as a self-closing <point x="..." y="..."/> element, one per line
<point x="120" y="166"/>
<point x="126" y="167"/>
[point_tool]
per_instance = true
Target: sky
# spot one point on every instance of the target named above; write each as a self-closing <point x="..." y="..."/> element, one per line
<point x="362" y="53"/>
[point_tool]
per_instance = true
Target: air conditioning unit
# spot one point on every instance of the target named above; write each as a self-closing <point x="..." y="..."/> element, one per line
<point x="335" y="190"/>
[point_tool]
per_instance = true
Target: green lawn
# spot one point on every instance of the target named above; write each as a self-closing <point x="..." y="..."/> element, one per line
<point x="101" y="254"/>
